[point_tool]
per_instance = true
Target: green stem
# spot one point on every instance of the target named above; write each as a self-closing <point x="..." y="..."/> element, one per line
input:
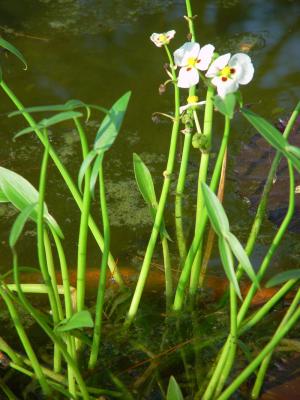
<point x="52" y="272"/>
<point x="42" y="255"/>
<point x="68" y="180"/>
<point x="257" y="361"/>
<point x="83" y="228"/>
<point x="190" y="20"/>
<point x="261" y="210"/>
<point x="161" y="205"/>
<point x="265" y="364"/>
<point x="25" y="342"/>
<point x="202" y="177"/>
<point x="68" y="307"/>
<point x="247" y="301"/>
<point x="179" y="296"/>
<point x="232" y="342"/>
<point x="49" y="331"/>
<point x="181" y="240"/>
<point x="168" y="271"/>
<point x="102" y="281"/>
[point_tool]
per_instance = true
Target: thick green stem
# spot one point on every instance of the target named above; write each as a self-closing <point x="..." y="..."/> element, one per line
<point x="181" y="240"/>
<point x="26" y="343"/>
<point x="160" y="208"/>
<point x="190" y="20"/>
<point x="102" y="281"/>
<point x="68" y="180"/>
<point x="202" y="177"/>
<point x="179" y="296"/>
<point x="83" y="229"/>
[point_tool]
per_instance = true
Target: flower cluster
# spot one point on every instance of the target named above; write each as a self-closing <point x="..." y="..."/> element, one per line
<point x="226" y="72"/>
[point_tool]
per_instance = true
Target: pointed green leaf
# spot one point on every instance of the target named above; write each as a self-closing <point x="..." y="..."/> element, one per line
<point x="283" y="277"/>
<point x="174" y="392"/>
<point x="95" y="172"/>
<point x="242" y="257"/>
<point x="272" y="135"/>
<point x="227" y="261"/>
<point x="145" y="184"/>
<point x="19" y="223"/>
<point x="81" y="319"/>
<point x="215" y="211"/>
<point x="47" y="122"/>
<point x="144" y="180"/>
<point x="6" y="45"/>
<point x="293" y="150"/>
<point x="226" y="106"/>
<point x="84" y="166"/>
<point x="22" y="194"/>
<point x="111" y="124"/>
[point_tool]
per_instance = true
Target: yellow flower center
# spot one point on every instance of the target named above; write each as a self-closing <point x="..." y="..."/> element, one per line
<point x="192" y="99"/>
<point x="226" y="73"/>
<point x="191" y="62"/>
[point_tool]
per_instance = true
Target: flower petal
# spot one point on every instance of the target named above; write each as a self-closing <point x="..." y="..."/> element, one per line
<point x="244" y="68"/>
<point x="205" y="56"/>
<point x="188" y="77"/>
<point x="186" y="51"/>
<point x="155" y="38"/>
<point x="223" y="88"/>
<point x="170" y="34"/>
<point x="218" y="65"/>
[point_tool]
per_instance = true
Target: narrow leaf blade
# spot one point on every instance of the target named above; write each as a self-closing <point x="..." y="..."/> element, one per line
<point x="227" y="261"/>
<point x="215" y="211"/>
<point x="285" y="276"/>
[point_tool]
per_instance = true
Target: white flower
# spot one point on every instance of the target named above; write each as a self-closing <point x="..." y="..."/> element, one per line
<point x="228" y="72"/>
<point x="191" y="59"/>
<point x="192" y="101"/>
<point x="160" y="39"/>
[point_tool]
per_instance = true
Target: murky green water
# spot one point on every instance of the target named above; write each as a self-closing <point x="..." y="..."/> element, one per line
<point x="96" y="50"/>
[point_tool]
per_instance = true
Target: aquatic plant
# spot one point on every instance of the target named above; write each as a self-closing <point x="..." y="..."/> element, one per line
<point x="75" y="328"/>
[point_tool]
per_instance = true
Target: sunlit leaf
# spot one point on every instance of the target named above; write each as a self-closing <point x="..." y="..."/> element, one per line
<point x="144" y="180"/>
<point x="3" y="198"/>
<point x="95" y="172"/>
<point x="19" y="192"/>
<point x="174" y="392"/>
<point x="226" y="106"/>
<point x="227" y="261"/>
<point x="215" y="211"/>
<point x="242" y="257"/>
<point x="47" y="122"/>
<point x="12" y="49"/>
<point x="145" y="184"/>
<point x="84" y="166"/>
<point x="19" y="223"/>
<point x="283" y="277"/>
<point x="272" y="135"/>
<point x="111" y="124"/>
<point x="81" y="319"/>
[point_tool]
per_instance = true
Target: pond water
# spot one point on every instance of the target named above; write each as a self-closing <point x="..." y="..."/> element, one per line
<point x="96" y="50"/>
